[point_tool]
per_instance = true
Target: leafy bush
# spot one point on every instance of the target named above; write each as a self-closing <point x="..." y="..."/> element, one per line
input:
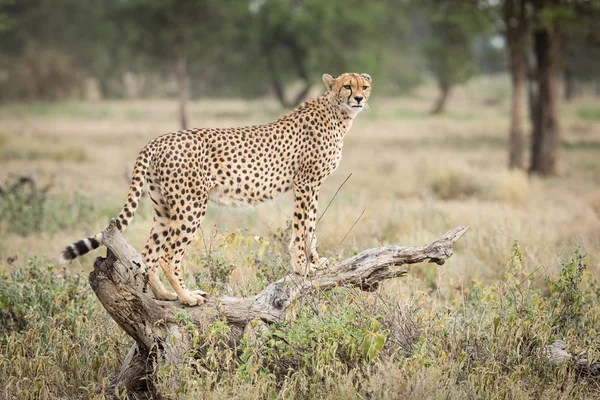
<point x="491" y="344"/>
<point x="485" y="342"/>
<point x="266" y="259"/>
<point x="27" y="209"/>
<point x="55" y="341"/>
<point x="331" y="339"/>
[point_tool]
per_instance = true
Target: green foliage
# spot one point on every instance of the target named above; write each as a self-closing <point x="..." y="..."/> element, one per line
<point x="284" y="42"/>
<point x="567" y="299"/>
<point x="490" y="341"/>
<point x="306" y="356"/>
<point x="274" y="265"/>
<point x="43" y="62"/>
<point x="55" y="342"/>
<point x="449" y="52"/>
<point x="217" y="256"/>
<point x="240" y="48"/>
<point x="493" y="340"/>
<point x="311" y="37"/>
<point x="163" y="29"/>
<point x="373" y="340"/>
<point x="25" y="209"/>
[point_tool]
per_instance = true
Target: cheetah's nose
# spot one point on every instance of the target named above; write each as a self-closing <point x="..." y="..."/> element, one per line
<point x="358" y="98"/>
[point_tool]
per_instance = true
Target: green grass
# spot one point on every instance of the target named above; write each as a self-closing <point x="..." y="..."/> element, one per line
<point x="75" y="110"/>
<point x="589" y="145"/>
<point x="35" y="149"/>
<point x="589" y="113"/>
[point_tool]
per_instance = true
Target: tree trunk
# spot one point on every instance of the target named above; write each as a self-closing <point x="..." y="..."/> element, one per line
<point x="301" y="96"/>
<point x="275" y="79"/>
<point x="182" y="88"/>
<point x="299" y="56"/>
<point x="440" y="104"/>
<point x="569" y="83"/>
<point x="516" y="38"/>
<point x="278" y="85"/>
<point x="119" y="281"/>
<point x="546" y="129"/>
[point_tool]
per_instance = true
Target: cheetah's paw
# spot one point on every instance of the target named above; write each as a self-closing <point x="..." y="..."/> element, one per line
<point x="323" y="263"/>
<point x="192" y="298"/>
<point x="168" y="296"/>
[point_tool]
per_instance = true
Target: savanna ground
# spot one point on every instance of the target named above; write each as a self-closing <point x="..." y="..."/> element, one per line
<point x="473" y="328"/>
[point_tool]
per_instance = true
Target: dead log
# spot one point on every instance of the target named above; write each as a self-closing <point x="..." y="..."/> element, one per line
<point x="557" y="354"/>
<point x="120" y="282"/>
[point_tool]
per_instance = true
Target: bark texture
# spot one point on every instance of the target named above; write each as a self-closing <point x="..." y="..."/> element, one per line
<point x="546" y="128"/>
<point x="557" y="353"/>
<point x="119" y="280"/>
<point x="515" y="19"/>
<point x="440" y="103"/>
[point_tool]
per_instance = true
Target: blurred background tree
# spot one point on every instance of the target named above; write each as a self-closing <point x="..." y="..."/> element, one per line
<point x="455" y="30"/>
<point x="171" y="35"/>
<point x="305" y="38"/>
<point x="70" y="49"/>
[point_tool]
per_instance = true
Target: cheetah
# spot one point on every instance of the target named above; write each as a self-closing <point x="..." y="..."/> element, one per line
<point x="182" y="170"/>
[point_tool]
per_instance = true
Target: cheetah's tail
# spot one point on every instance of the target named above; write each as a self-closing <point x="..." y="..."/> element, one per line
<point x="84" y="246"/>
<point x="80" y="248"/>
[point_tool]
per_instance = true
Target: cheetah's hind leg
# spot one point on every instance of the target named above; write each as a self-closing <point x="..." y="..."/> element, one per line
<point x="153" y="252"/>
<point x="181" y="233"/>
<point x="154" y="249"/>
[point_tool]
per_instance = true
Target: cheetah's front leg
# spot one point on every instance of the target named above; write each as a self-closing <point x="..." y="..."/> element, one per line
<point x="305" y="259"/>
<point x="311" y="235"/>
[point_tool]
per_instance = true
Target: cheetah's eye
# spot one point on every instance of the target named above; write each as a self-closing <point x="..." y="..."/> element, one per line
<point x="365" y="87"/>
<point x="347" y="87"/>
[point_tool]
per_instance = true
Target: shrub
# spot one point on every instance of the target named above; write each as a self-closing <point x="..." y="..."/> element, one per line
<point x="330" y="340"/>
<point x="27" y="209"/>
<point x="512" y="187"/>
<point x="455" y="183"/>
<point x="55" y="342"/>
<point x="490" y="345"/>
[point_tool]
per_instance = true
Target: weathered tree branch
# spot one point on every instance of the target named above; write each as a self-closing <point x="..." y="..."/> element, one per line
<point x="119" y="281"/>
<point x="557" y="354"/>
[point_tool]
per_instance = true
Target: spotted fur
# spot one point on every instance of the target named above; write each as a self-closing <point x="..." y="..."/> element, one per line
<point x="183" y="170"/>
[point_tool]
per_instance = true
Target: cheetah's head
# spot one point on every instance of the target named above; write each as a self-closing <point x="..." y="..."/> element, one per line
<point x="349" y="91"/>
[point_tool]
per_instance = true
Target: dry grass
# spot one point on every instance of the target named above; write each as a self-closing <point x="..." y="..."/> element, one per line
<point x="415" y="176"/>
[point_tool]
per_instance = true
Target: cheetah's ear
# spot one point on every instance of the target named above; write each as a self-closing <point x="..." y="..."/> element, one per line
<point x="328" y="80"/>
<point x="366" y="76"/>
